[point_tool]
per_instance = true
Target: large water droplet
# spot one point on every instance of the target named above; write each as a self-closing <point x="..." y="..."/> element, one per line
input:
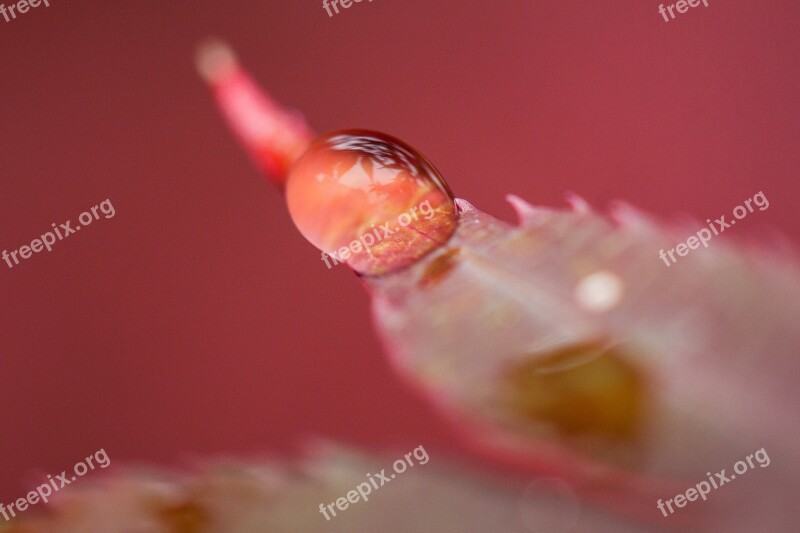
<point x="369" y="200"/>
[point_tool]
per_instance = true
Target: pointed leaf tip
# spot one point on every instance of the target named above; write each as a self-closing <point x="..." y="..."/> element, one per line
<point x="274" y="136"/>
<point x="526" y="213"/>
<point x="215" y="60"/>
<point x="578" y="203"/>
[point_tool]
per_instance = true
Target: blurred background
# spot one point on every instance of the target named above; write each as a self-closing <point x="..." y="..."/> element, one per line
<point x="198" y="322"/>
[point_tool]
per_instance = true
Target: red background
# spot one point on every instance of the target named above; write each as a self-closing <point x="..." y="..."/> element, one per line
<point x="197" y="321"/>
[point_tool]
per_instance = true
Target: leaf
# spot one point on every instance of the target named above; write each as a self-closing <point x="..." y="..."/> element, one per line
<point x="280" y="497"/>
<point x="681" y="371"/>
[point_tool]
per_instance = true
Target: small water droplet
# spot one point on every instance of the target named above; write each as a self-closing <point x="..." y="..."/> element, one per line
<point x="369" y="200"/>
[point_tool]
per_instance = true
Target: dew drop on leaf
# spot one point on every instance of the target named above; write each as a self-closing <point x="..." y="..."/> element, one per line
<point x="370" y="201"/>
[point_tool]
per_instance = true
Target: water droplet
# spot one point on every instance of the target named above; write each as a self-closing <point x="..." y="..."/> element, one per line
<point x="369" y="200"/>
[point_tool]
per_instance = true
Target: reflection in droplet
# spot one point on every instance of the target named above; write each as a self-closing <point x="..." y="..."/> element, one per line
<point x="369" y="200"/>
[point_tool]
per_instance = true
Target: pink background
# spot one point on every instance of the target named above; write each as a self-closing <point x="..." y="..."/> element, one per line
<point x="197" y="321"/>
